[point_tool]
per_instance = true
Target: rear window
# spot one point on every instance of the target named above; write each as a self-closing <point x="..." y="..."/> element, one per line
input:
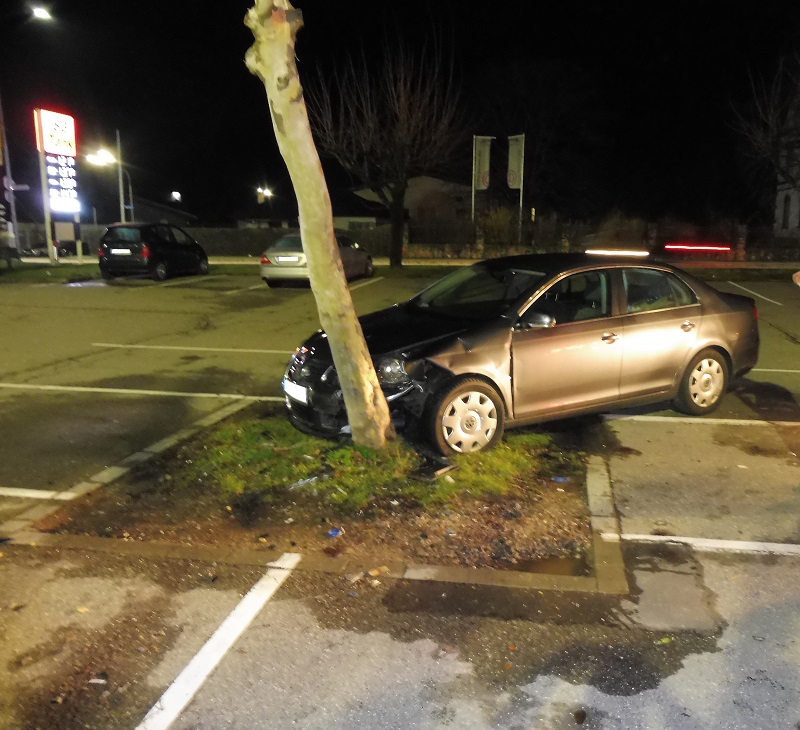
<point x="288" y="243"/>
<point x="127" y="235"/>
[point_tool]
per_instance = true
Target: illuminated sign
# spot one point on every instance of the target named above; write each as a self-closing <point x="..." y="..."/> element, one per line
<point x="55" y="138"/>
<point x="55" y="133"/>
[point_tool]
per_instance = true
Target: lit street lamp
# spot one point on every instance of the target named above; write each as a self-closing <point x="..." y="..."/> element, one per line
<point x="103" y="157"/>
<point x="263" y="194"/>
<point x="9" y="186"/>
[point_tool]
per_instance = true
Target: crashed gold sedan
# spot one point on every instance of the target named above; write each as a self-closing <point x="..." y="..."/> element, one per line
<point x="525" y="339"/>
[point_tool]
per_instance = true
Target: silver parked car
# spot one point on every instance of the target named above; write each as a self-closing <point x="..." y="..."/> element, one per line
<point x="285" y="260"/>
<point x="524" y="339"/>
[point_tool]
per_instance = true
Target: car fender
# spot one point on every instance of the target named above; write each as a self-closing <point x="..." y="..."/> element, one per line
<point x="486" y="355"/>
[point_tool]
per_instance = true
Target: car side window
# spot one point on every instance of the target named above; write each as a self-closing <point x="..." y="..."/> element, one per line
<point x="163" y="233"/>
<point x="648" y="289"/>
<point x="180" y="237"/>
<point x="575" y="298"/>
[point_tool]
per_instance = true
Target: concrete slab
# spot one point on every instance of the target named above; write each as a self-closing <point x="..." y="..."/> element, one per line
<point x="708" y="480"/>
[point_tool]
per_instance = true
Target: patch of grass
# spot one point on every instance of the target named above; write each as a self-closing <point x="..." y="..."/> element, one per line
<point x="259" y="462"/>
<point x="38" y="273"/>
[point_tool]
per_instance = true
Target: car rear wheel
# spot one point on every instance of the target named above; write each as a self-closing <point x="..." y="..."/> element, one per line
<point x="466" y="417"/>
<point x="106" y="274"/>
<point x="202" y="266"/>
<point x="160" y="272"/>
<point x="273" y="283"/>
<point x="704" y="383"/>
<point x="369" y="269"/>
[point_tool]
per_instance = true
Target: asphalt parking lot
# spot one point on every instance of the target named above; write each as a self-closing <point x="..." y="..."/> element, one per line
<point x="94" y="373"/>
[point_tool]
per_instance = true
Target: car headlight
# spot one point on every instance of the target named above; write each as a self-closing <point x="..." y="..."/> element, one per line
<point x="392" y="371"/>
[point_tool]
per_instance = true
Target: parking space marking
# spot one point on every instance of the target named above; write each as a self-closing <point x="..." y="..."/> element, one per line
<point x="191" y="349"/>
<point x="773" y="370"/>
<point x="755" y="294"/>
<point x="189" y="681"/>
<point x="366" y="283"/>
<point x="34" y="494"/>
<point x="249" y="288"/>
<point x="136" y="391"/>
<point x="701" y="421"/>
<point x="176" y="282"/>
<point x="706" y="544"/>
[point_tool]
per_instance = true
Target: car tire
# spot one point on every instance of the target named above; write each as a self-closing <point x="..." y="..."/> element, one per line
<point x="704" y="383"/>
<point x="159" y="272"/>
<point x="106" y="274"/>
<point x="369" y="269"/>
<point x="465" y="417"/>
<point x="202" y="266"/>
<point x="273" y="283"/>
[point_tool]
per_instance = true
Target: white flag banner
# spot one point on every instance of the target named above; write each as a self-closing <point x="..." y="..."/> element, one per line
<point x="481" y="151"/>
<point x="516" y="160"/>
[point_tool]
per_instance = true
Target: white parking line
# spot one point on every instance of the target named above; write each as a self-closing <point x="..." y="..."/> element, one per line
<point x="190" y="349"/>
<point x="773" y="370"/>
<point x="699" y="421"/>
<point x="755" y="294"/>
<point x="705" y="544"/>
<point x="34" y="494"/>
<point x="176" y="282"/>
<point x="366" y="283"/>
<point x="189" y="681"/>
<point x="137" y="391"/>
<point x="249" y="288"/>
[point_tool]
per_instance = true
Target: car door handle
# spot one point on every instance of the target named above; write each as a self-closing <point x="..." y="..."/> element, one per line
<point x="610" y="337"/>
<point x="687" y="326"/>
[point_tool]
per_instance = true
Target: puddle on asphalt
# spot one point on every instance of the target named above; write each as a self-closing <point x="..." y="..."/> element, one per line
<point x="554" y="566"/>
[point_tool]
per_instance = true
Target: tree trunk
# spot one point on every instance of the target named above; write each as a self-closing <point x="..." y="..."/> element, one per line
<point x="275" y="24"/>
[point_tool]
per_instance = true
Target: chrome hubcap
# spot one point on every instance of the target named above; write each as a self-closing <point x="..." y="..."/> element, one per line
<point x="706" y="383"/>
<point x="469" y="422"/>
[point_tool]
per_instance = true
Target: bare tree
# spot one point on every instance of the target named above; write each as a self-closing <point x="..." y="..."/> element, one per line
<point x="770" y="123"/>
<point x="388" y="125"/>
<point x="275" y="24"/>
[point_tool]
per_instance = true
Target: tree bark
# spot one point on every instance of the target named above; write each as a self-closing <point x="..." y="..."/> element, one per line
<point x="275" y="24"/>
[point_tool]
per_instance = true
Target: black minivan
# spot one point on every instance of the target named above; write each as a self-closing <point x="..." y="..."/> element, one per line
<point x="155" y="249"/>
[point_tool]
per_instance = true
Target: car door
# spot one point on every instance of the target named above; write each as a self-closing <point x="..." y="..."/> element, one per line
<point x="576" y="361"/>
<point x="660" y="324"/>
<point x="165" y="249"/>
<point x="185" y="249"/>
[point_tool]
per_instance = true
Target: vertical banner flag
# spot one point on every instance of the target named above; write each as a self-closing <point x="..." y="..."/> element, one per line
<point x="516" y="157"/>
<point x="481" y="149"/>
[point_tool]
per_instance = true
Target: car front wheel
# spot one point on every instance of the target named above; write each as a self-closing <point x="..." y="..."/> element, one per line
<point x="202" y="266"/>
<point x="466" y="417"/>
<point x="369" y="269"/>
<point x="704" y="383"/>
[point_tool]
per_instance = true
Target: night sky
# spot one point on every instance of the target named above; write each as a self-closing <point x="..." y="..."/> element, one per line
<point x="653" y="137"/>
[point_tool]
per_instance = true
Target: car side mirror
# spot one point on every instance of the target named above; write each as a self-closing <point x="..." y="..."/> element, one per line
<point x="536" y="321"/>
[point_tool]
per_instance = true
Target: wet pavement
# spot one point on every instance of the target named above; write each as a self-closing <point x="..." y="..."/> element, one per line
<point x="92" y="638"/>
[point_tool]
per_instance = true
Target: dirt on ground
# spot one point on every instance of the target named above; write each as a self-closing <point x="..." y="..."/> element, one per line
<point x="545" y="519"/>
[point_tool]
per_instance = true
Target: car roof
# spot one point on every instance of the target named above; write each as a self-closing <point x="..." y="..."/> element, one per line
<point x="553" y="263"/>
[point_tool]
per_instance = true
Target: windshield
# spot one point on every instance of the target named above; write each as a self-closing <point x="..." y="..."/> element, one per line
<point x="478" y="292"/>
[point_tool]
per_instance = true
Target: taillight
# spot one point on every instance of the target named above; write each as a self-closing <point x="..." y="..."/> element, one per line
<point x="101" y="252"/>
<point x="145" y="251"/>
<point x="755" y="313"/>
<point x="264" y="259"/>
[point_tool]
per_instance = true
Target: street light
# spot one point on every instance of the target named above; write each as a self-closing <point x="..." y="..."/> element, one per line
<point x="5" y="155"/>
<point x="263" y="194"/>
<point x="103" y="157"/>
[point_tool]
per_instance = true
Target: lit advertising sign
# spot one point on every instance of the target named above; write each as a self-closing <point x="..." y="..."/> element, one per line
<point x="55" y="138"/>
